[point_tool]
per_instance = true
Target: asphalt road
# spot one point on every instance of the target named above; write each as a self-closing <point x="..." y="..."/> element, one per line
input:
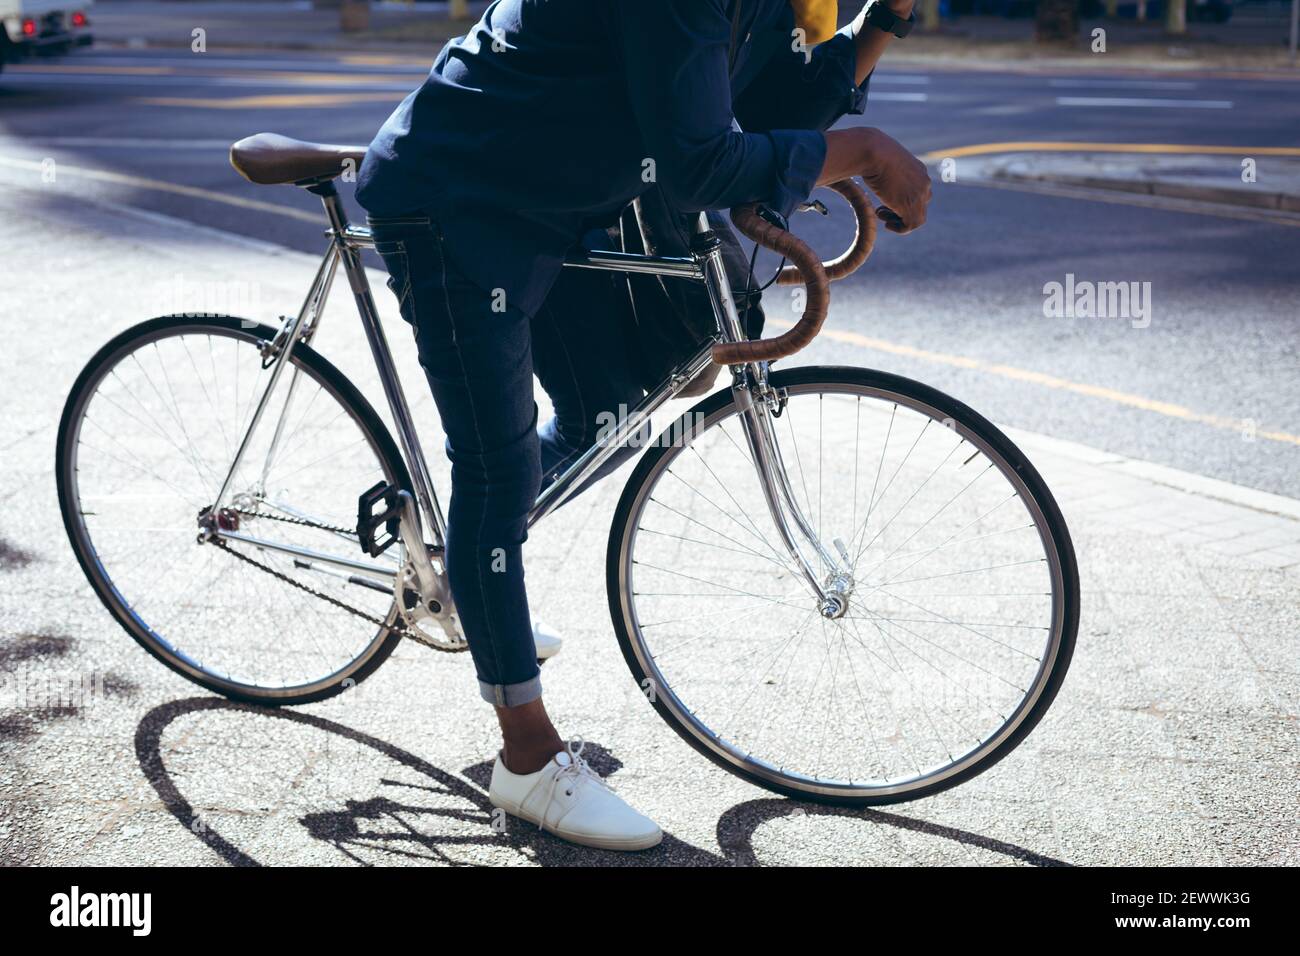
<point x="959" y="304"/>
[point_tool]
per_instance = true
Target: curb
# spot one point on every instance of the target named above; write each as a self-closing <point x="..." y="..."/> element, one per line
<point x="1225" y="195"/>
<point x="1202" y="486"/>
<point x="988" y="171"/>
<point x="1131" y="61"/>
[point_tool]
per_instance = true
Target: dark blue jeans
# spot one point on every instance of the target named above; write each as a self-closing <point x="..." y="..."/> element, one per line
<point x="480" y="354"/>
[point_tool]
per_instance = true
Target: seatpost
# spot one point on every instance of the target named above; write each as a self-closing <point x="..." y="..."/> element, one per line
<point x="329" y="197"/>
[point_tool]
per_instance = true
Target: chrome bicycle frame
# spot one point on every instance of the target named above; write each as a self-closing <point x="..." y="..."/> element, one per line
<point x="422" y="512"/>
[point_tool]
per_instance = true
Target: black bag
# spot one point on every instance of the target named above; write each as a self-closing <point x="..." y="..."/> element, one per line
<point x="668" y="319"/>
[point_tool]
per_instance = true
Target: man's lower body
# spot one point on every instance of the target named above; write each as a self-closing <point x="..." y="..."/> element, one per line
<point x="479" y="355"/>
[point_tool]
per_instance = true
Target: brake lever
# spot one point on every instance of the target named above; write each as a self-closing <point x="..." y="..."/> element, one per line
<point x="770" y="215"/>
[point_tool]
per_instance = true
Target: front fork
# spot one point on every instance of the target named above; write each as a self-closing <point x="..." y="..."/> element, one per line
<point x="758" y="402"/>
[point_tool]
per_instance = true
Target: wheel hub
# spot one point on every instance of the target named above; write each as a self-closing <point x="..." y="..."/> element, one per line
<point x="838" y="588"/>
<point x="835" y="606"/>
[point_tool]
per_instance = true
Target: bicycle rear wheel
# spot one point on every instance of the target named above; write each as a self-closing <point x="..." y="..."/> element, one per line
<point x="960" y="614"/>
<point x="146" y="438"/>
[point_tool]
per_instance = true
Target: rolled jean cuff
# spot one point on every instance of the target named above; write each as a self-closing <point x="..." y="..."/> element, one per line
<point x="511" y="695"/>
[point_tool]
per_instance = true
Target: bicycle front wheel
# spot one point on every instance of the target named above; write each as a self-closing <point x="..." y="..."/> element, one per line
<point x="147" y="438"/>
<point x="961" y="604"/>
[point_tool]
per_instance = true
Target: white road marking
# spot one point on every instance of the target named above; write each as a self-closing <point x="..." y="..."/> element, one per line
<point x="900" y="78"/>
<point x="1006" y="109"/>
<point x="881" y="97"/>
<point x="1124" y="101"/>
<point x="1124" y="84"/>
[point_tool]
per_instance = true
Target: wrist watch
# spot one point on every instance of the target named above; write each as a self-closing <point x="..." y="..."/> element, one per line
<point x="881" y="17"/>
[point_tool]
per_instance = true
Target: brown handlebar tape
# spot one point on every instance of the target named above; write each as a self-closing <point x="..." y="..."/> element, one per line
<point x="805" y="268"/>
<point x="810" y="271"/>
<point x="864" y="237"/>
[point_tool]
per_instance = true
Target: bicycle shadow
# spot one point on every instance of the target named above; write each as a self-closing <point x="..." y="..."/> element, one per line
<point x="385" y="825"/>
<point x="737" y="826"/>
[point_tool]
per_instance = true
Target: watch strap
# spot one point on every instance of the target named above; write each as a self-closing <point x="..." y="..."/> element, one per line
<point x="883" y="18"/>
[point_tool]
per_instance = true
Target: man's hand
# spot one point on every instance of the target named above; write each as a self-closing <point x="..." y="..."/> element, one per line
<point x="899" y="179"/>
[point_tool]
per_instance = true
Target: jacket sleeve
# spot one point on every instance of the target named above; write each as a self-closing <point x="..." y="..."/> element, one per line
<point x="675" y="54"/>
<point x="794" y="91"/>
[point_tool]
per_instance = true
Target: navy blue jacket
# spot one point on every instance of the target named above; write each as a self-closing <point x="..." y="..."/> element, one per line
<point x="549" y="116"/>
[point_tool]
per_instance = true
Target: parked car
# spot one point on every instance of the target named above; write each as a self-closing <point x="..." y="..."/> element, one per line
<point x="32" y="27"/>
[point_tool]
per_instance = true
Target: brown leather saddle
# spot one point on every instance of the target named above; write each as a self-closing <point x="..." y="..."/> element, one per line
<point x="269" y="159"/>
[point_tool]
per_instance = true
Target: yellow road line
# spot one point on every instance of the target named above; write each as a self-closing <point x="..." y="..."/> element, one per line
<point x="384" y="59"/>
<point x="271" y="101"/>
<point x="102" y="70"/>
<point x="1033" y="146"/>
<point x="343" y="79"/>
<point x="139" y="182"/>
<point x="251" y="76"/>
<point x="1168" y="409"/>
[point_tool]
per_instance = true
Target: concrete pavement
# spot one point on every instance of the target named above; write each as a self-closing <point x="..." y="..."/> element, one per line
<point x="1172" y="742"/>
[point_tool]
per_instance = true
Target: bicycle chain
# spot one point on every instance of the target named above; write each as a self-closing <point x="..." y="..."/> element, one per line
<point x="287" y="519"/>
<point x="400" y="629"/>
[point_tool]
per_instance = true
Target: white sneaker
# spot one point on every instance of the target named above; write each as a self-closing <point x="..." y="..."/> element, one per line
<point x="568" y="799"/>
<point x="548" y="643"/>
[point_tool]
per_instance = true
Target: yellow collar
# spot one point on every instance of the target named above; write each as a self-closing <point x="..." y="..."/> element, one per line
<point x="816" y="18"/>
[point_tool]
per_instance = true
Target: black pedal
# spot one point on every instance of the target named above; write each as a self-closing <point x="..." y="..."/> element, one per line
<point x="369" y="521"/>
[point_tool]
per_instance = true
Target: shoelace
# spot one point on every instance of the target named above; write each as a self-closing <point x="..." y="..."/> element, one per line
<point x="573" y="775"/>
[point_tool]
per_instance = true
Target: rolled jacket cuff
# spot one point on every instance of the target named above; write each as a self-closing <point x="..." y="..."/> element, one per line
<point x="842" y="51"/>
<point x="858" y="97"/>
<point x="804" y="152"/>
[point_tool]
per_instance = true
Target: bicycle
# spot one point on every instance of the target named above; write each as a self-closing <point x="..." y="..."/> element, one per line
<point x="834" y="582"/>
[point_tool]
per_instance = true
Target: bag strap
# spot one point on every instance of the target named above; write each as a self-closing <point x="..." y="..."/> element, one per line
<point x="735" y="36"/>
